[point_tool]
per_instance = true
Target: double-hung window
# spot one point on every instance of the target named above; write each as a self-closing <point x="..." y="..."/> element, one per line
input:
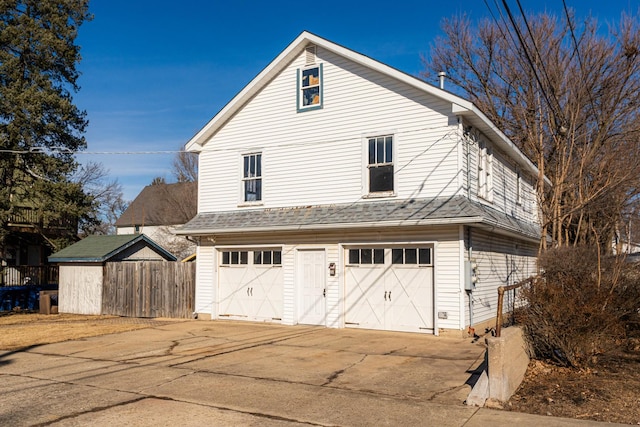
<point x="518" y="186"/>
<point x="380" y="164"/>
<point x="252" y="177"/>
<point x="310" y="88"/>
<point x="485" y="171"/>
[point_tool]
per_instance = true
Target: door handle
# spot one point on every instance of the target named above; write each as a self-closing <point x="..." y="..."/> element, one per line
<point x="389" y="295"/>
<point x="324" y="293"/>
<point x="251" y="291"/>
<point x="385" y="295"/>
<point x="247" y="291"/>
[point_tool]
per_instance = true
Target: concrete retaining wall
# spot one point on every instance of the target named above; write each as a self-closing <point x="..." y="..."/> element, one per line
<point x="507" y="361"/>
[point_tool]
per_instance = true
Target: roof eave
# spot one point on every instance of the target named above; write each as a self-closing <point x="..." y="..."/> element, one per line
<point x="306" y="227"/>
<point x="79" y="260"/>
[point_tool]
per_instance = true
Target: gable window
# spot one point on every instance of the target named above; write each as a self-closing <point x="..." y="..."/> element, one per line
<point x="252" y="177"/>
<point x="485" y="171"/>
<point x="380" y="164"/>
<point x="310" y="88"/>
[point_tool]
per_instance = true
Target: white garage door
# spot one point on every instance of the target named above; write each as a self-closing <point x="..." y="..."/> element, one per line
<point x="250" y="284"/>
<point x="389" y="288"/>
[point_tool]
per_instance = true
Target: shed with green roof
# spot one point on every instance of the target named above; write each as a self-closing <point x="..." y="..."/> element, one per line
<point x="81" y="267"/>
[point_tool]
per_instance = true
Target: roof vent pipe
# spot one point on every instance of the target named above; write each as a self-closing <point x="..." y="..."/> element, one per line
<point x="441" y="76"/>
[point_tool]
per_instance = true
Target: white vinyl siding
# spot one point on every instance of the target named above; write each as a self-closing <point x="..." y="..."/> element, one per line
<point x="206" y="284"/>
<point x="501" y="261"/>
<point x="316" y="158"/>
<point x="445" y="258"/>
<point x="503" y="181"/>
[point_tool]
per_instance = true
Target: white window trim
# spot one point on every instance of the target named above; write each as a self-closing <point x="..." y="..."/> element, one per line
<point x="241" y="201"/>
<point x="366" y="194"/>
<point x="388" y="254"/>
<point x="485" y="171"/>
<point x="300" y="88"/>
<point x="518" y="186"/>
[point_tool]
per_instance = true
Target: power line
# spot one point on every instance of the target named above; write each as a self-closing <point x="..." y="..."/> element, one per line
<point x="577" y="51"/>
<point x="527" y="55"/>
<point x="65" y="150"/>
<point x="542" y="64"/>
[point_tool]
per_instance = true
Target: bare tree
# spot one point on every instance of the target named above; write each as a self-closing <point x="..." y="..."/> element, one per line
<point x="568" y="98"/>
<point x="107" y="198"/>
<point x="185" y="166"/>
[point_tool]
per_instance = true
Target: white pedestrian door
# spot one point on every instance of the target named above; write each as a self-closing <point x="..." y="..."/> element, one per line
<point x="312" y="287"/>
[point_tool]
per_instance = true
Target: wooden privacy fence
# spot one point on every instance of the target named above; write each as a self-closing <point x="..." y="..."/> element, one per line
<point x="149" y="289"/>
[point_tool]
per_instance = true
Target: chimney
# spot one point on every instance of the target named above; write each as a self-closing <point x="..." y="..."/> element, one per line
<point x="441" y="76"/>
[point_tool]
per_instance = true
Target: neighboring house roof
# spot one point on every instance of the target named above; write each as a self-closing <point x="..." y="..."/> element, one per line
<point x="374" y="214"/>
<point x="161" y="204"/>
<point x="102" y="248"/>
<point x="459" y="106"/>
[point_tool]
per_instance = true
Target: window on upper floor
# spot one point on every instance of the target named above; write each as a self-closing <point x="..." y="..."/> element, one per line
<point x="252" y="177"/>
<point x="518" y="186"/>
<point x="309" y="82"/>
<point x="310" y="88"/>
<point x="380" y="164"/>
<point x="485" y="171"/>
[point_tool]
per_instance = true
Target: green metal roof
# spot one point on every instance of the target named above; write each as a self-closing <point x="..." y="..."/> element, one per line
<point x="101" y="248"/>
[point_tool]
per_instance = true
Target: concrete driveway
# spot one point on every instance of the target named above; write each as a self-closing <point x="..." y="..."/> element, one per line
<point x="193" y="373"/>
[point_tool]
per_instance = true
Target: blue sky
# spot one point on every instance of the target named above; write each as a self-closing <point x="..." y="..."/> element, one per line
<point x="155" y="72"/>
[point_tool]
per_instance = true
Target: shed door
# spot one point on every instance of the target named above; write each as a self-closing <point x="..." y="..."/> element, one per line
<point x="389" y="288"/>
<point x="250" y="284"/>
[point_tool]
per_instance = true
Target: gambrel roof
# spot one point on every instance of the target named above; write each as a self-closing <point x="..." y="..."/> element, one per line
<point x="459" y="106"/>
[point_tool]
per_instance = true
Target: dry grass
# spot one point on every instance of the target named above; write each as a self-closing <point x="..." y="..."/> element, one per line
<point x="21" y="330"/>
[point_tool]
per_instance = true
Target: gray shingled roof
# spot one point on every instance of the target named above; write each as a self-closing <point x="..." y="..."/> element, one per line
<point x="435" y="211"/>
<point x="161" y="204"/>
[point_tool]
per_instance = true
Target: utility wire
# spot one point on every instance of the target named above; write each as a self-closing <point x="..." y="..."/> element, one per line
<point x="65" y="150"/>
<point x="528" y="56"/>
<point x="577" y="51"/>
<point x="542" y="63"/>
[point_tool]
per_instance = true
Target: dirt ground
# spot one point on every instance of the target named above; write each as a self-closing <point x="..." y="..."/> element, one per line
<point x="610" y="393"/>
<point x="21" y="330"/>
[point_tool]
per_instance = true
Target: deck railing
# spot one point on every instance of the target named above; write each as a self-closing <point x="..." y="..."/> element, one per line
<point x="21" y="275"/>
<point x="24" y="216"/>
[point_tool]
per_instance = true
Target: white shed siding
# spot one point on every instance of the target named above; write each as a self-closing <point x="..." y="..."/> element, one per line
<point x="501" y="261"/>
<point x="80" y="289"/>
<point x="206" y="280"/>
<point x="317" y="157"/>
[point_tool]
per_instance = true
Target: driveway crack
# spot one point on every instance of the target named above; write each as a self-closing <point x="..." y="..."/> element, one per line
<point x="339" y="372"/>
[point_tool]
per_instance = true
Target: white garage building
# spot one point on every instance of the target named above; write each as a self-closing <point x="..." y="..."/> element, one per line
<point x="337" y="191"/>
